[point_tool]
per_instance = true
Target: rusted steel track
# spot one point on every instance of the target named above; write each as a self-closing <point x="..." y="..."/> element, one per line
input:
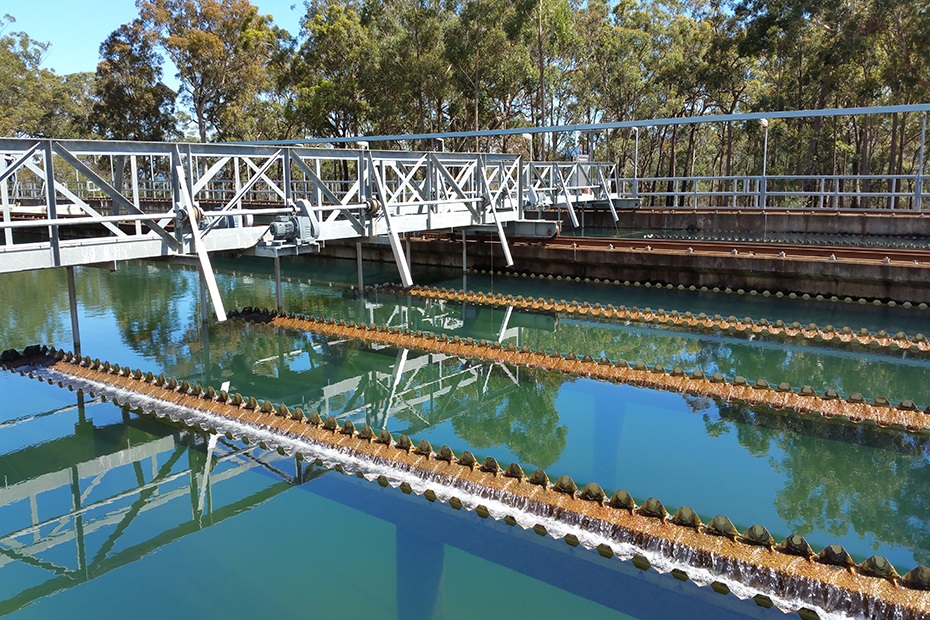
<point x="747" y="249"/>
<point x="828" y="335"/>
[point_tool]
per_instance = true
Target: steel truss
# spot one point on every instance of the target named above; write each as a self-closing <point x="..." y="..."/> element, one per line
<point x="170" y="199"/>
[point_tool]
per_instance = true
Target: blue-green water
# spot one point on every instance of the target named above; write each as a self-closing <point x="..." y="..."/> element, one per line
<point x="263" y="534"/>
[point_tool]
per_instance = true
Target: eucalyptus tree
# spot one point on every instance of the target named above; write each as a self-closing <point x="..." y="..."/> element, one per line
<point x="131" y="102"/>
<point x="21" y="81"/>
<point x="35" y="101"/>
<point x="221" y="49"/>
<point x="491" y="70"/>
<point x="334" y="70"/>
<point x="413" y="92"/>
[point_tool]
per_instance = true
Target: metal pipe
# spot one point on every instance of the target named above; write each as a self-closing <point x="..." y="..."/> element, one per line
<point x="72" y="304"/>
<point x="661" y="122"/>
<point x="919" y="181"/>
<point x="279" y="298"/>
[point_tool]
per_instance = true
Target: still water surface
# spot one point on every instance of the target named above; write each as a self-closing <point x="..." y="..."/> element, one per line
<point x="98" y="506"/>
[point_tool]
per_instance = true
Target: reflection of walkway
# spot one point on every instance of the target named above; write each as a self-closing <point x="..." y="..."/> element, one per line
<point x="90" y="467"/>
<point x="426" y="387"/>
<point x="427" y="537"/>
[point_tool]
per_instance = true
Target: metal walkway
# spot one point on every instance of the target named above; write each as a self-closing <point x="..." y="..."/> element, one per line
<point x="68" y="203"/>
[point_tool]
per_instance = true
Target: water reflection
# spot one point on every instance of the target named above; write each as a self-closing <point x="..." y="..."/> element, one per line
<point x="879" y="492"/>
<point x="114" y="491"/>
<point x="154" y="307"/>
<point x="81" y="505"/>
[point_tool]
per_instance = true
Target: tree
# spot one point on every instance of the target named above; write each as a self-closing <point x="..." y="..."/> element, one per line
<point x="131" y="101"/>
<point x="491" y="68"/>
<point x="414" y="91"/>
<point x="334" y="70"/>
<point x="221" y="49"/>
<point x="35" y="101"/>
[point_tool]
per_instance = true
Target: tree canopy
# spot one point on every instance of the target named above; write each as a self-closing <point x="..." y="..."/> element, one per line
<point x="418" y="66"/>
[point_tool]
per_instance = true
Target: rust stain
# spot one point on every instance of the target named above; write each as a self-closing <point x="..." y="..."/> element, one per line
<point x="821" y="581"/>
<point x="813" y="404"/>
<point x="674" y="319"/>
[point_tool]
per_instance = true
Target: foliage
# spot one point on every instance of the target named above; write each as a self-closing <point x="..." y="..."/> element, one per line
<point x="421" y="66"/>
<point x="131" y="102"/>
<point x="35" y="101"/>
<point x="221" y="49"/>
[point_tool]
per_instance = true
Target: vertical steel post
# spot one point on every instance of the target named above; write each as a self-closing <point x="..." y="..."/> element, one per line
<point x="359" y="267"/>
<point x="763" y="187"/>
<point x="919" y="181"/>
<point x="50" y="201"/>
<point x="636" y="164"/>
<point x="5" y="203"/>
<point x="190" y="177"/>
<point x="464" y="263"/>
<point x="72" y="304"/>
<point x="286" y="163"/>
<point x="239" y="221"/>
<point x="134" y="171"/>
<point x="278" y="293"/>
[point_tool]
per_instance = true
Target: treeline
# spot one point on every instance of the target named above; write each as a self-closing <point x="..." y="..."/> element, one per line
<point x="420" y="66"/>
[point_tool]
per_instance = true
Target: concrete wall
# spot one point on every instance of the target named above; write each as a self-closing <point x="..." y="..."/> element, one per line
<point x="854" y="279"/>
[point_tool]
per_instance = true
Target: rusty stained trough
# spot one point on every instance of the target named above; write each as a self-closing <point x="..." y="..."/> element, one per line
<point x="904" y="417"/>
<point x="828" y="335"/>
<point x="788" y="574"/>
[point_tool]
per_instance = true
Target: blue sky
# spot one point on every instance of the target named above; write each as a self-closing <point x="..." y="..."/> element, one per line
<point x="76" y="28"/>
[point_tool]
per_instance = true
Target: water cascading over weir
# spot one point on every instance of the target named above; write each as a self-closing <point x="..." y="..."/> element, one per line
<point x="751" y="564"/>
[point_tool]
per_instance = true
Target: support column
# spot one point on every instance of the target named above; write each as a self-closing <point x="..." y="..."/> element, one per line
<point x="278" y="293"/>
<point x="464" y="263"/>
<point x="72" y="303"/>
<point x="204" y="314"/>
<point x="359" y="267"/>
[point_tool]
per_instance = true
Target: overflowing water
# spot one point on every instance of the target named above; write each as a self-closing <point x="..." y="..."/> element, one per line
<point x="863" y="488"/>
<point x="743" y="579"/>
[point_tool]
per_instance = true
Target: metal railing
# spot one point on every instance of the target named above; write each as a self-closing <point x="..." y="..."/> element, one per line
<point x="161" y="188"/>
<point x="835" y="191"/>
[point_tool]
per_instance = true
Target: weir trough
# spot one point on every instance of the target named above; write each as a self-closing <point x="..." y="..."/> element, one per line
<point x="788" y="575"/>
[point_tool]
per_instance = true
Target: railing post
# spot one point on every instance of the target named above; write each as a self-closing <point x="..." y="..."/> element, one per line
<point x="176" y="193"/>
<point x="636" y="164"/>
<point x="286" y="162"/>
<point x="52" y="206"/>
<point x="5" y="202"/>
<point x="134" y="171"/>
<point x="919" y="181"/>
<point x="763" y="186"/>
